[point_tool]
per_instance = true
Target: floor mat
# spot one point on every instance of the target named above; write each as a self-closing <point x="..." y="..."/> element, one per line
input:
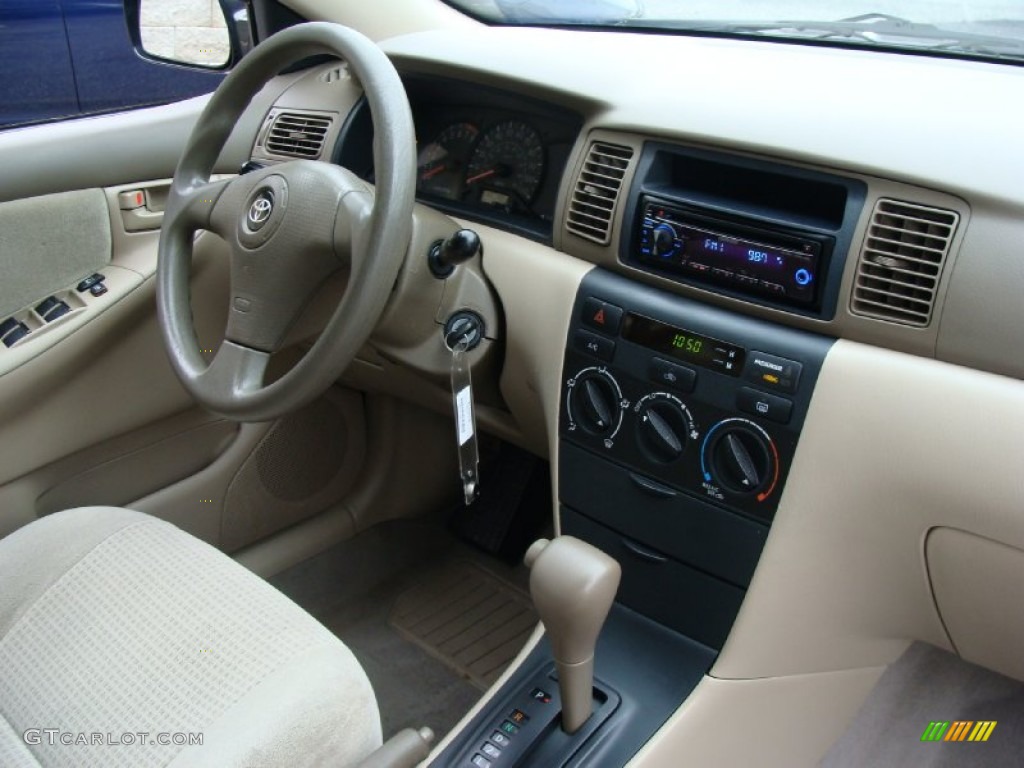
<point x="351" y="589"/>
<point x="467" y="618"/>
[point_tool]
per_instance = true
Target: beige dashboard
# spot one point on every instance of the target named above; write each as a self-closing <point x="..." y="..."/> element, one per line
<point x="907" y="465"/>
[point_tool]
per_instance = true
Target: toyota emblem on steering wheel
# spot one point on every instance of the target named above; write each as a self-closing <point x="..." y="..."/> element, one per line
<point x="260" y="210"/>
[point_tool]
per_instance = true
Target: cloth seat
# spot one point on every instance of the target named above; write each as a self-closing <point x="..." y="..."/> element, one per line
<point x="123" y="639"/>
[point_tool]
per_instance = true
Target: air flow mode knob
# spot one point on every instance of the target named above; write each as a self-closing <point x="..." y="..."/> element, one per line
<point x="662" y="429"/>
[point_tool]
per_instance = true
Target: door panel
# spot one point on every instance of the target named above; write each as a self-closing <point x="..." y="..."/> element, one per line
<point x="49" y="242"/>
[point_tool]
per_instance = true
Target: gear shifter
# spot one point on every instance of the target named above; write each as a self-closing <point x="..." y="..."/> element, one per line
<point x="573" y="585"/>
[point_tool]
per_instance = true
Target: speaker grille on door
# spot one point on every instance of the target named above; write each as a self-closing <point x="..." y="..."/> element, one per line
<point x="307" y="461"/>
<point x="901" y="261"/>
<point x="302" y="452"/>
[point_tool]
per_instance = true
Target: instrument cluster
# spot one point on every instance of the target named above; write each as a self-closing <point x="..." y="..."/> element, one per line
<point x="482" y="154"/>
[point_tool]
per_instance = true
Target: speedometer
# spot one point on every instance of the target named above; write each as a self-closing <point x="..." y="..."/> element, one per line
<point x="441" y="164"/>
<point x="507" y="166"/>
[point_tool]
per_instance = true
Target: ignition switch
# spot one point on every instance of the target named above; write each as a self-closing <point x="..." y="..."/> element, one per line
<point x="464" y="323"/>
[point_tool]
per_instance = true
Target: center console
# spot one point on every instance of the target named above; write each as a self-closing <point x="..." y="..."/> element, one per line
<point x="678" y="426"/>
<point x="679" y="423"/>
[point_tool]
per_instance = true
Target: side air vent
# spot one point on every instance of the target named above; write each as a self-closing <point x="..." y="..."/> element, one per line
<point x="294" y="134"/>
<point x="901" y="262"/>
<point x="592" y="207"/>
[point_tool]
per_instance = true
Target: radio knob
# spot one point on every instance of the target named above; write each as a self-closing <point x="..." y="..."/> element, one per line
<point x="663" y="428"/>
<point x="741" y="459"/>
<point x="663" y="243"/>
<point x="594" y="403"/>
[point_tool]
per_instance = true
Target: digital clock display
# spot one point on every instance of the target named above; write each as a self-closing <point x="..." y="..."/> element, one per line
<point x="690" y="347"/>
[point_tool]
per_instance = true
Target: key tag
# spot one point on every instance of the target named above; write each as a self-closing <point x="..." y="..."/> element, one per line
<point x="465" y="415"/>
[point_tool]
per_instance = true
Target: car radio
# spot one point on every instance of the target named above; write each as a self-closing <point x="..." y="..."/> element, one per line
<point x="782" y="265"/>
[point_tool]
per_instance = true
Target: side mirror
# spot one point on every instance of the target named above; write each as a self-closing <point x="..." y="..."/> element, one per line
<point x="205" y="34"/>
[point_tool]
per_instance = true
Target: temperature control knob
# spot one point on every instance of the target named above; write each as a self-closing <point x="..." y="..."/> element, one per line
<point x="664" y="426"/>
<point x="595" y="402"/>
<point x="741" y="457"/>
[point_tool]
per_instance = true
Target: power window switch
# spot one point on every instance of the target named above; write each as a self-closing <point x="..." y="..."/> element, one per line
<point x="14" y="336"/>
<point x="98" y="289"/>
<point x="47" y="305"/>
<point x="7" y="326"/>
<point x="59" y="310"/>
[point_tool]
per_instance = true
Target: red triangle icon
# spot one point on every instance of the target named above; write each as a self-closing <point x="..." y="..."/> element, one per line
<point x="599" y="317"/>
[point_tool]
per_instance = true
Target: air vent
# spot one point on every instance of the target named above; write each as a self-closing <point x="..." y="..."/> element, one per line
<point x="298" y="135"/>
<point x="592" y="207"/>
<point x="901" y="262"/>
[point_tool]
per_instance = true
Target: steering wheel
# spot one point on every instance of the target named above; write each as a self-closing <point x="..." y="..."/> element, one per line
<point x="289" y="227"/>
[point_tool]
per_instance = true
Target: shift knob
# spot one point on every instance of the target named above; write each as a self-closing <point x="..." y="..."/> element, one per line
<point x="573" y="586"/>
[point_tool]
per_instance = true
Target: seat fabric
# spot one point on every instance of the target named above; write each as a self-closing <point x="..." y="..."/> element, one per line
<point x="119" y="632"/>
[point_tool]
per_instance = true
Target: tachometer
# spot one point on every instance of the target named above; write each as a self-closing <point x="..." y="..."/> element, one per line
<point x="507" y="166"/>
<point x="441" y="164"/>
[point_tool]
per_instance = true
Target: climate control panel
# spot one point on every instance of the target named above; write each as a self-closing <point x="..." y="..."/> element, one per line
<point x="686" y="396"/>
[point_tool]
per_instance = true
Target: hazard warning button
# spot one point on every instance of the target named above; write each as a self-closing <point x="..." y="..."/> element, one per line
<point x="601" y="316"/>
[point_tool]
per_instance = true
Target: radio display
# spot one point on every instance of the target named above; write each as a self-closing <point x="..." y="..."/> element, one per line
<point x="690" y="347"/>
<point x="779" y="265"/>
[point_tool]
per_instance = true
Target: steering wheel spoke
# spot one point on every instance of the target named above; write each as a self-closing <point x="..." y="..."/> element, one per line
<point x="192" y="206"/>
<point x="234" y="372"/>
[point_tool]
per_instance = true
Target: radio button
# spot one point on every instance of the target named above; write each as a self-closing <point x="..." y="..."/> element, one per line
<point x="673" y="376"/>
<point x="723" y="274"/>
<point x="764" y="405"/>
<point x="592" y="344"/>
<point x="601" y="316"/>
<point x="773" y="372"/>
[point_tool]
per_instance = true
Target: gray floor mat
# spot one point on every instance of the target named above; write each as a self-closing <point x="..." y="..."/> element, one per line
<point x="351" y="589"/>
<point x="467" y="618"/>
<point x="926" y="685"/>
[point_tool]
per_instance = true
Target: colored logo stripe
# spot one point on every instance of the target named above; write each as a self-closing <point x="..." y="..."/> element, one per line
<point x="958" y="730"/>
<point x="982" y="730"/>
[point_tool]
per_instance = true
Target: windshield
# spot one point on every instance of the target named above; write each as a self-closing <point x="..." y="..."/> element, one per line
<point x="989" y="29"/>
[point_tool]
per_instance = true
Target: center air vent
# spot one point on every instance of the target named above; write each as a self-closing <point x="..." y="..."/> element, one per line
<point x="294" y="134"/>
<point x="592" y="207"/>
<point x="901" y="261"/>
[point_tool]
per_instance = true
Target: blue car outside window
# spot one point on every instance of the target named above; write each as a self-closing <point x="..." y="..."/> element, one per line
<point x="66" y="58"/>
